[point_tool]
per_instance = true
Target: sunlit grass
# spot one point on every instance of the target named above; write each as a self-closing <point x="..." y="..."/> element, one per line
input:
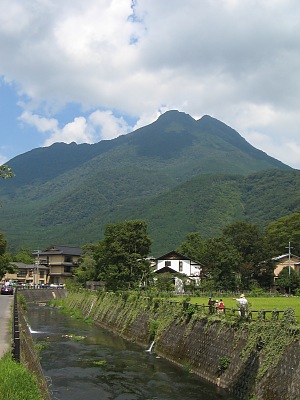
<point x="256" y="303"/>
<point x="17" y="382"/>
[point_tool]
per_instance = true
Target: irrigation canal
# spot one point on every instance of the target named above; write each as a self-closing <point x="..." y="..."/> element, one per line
<point x="83" y="361"/>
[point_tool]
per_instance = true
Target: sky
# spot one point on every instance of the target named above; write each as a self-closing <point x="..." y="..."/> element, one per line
<point x="74" y="71"/>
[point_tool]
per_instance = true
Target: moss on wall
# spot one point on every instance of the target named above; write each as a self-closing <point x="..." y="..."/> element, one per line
<point x="249" y="359"/>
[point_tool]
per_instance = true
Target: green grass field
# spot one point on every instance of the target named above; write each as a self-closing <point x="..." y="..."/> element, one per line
<point x="257" y="303"/>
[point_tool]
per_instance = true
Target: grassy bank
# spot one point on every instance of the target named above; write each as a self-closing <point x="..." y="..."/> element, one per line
<point x="16" y="382"/>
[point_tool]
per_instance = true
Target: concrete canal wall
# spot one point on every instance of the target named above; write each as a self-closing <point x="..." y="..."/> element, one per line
<point x="254" y="361"/>
<point x="257" y="360"/>
<point x="42" y="295"/>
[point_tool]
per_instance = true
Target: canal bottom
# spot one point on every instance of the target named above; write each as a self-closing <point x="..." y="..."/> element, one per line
<point x="84" y="362"/>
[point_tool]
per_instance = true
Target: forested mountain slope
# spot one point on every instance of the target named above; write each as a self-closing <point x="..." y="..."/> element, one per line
<point x="167" y="173"/>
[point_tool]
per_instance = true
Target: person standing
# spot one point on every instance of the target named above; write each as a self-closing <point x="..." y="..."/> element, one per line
<point x="242" y="305"/>
<point x="217" y="306"/>
<point x="211" y="305"/>
<point x="221" y="308"/>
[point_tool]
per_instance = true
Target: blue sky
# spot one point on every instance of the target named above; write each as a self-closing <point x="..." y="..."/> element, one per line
<point x="76" y="71"/>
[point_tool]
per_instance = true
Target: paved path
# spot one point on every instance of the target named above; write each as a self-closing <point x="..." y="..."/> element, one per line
<point x="5" y="323"/>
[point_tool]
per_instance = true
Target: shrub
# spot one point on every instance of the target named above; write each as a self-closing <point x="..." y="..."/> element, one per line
<point x="224" y="362"/>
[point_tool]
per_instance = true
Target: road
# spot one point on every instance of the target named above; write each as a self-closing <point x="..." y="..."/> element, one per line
<point x="5" y="323"/>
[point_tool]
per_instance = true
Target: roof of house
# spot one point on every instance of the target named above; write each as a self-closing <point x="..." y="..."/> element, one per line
<point x="166" y="270"/>
<point x="67" y="250"/>
<point x="174" y="255"/>
<point x="21" y="265"/>
<point x="282" y="256"/>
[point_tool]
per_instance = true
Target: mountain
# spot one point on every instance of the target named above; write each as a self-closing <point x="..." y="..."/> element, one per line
<point x="170" y="173"/>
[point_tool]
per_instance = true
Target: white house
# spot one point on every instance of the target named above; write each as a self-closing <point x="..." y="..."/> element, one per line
<point x="175" y="262"/>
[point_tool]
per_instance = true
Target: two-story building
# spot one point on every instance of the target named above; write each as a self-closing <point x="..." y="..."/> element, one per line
<point x="175" y="262"/>
<point x="27" y="274"/>
<point x="61" y="262"/>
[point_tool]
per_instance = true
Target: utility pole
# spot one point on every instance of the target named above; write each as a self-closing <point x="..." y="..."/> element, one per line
<point x="36" y="269"/>
<point x="289" y="268"/>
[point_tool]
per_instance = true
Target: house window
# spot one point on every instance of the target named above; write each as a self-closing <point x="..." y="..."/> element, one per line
<point x="21" y="273"/>
<point x="67" y="269"/>
<point x="167" y="263"/>
<point x="42" y="274"/>
<point x="180" y="266"/>
<point x="68" y="259"/>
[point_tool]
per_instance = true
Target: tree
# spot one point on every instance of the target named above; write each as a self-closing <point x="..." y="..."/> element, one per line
<point x="222" y="260"/>
<point x="4" y="258"/>
<point x="193" y="246"/>
<point x="279" y="233"/>
<point x="86" y="271"/>
<point x="250" y="242"/>
<point x="6" y="172"/>
<point x="247" y="239"/>
<point x="3" y="244"/>
<point x="288" y="279"/>
<point x="165" y="282"/>
<point x="121" y="257"/>
<point x="24" y="256"/>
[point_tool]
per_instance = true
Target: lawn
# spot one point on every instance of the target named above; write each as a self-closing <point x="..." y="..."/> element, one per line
<point x="257" y="303"/>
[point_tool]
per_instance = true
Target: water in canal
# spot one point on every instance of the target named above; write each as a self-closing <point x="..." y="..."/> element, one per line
<point x="85" y="362"/>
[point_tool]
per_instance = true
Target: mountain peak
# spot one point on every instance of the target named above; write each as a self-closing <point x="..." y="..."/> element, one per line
<point x="175" y="116"/>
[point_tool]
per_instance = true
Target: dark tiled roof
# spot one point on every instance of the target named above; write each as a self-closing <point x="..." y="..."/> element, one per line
<point x="67" y="250"/>
<point x="21" y="265"/>
<point x="174" y="255"/>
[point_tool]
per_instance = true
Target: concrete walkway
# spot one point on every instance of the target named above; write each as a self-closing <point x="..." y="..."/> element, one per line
<point x="5" y="323"/>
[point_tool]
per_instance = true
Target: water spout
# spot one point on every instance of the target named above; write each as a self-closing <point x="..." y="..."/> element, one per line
<point x="150" y="348"/>
<point x="31" y="330"/>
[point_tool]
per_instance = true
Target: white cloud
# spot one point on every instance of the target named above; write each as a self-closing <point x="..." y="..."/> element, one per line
<point x="97" y="126"/>
<point x="236" y="60"/>
<point x="75" y="131"/>
<point x="109" y="127"/>
<point x="42" y="124"/>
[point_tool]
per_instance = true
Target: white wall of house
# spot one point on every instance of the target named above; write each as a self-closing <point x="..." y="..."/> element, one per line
<point x="181" y="266"/>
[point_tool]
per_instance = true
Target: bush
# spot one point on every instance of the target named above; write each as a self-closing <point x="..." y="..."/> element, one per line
<point x="224" y="362"/>
<point x="297" y="292"/>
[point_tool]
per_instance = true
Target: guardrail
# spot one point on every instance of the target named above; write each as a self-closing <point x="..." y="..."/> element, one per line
<point x="16" y="346"/>
<point x="40" y="287"/>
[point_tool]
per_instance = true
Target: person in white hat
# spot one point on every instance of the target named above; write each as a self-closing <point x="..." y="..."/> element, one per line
<point x="242" y="304"/>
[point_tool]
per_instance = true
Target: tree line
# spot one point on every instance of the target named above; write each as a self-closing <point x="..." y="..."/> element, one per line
<point x="240" y="258"/>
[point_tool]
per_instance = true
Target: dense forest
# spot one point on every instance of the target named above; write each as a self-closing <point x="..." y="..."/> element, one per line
<point x="177" y="174"/>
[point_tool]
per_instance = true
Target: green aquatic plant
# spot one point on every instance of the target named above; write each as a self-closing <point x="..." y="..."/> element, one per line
<point x="99" y="362"/>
